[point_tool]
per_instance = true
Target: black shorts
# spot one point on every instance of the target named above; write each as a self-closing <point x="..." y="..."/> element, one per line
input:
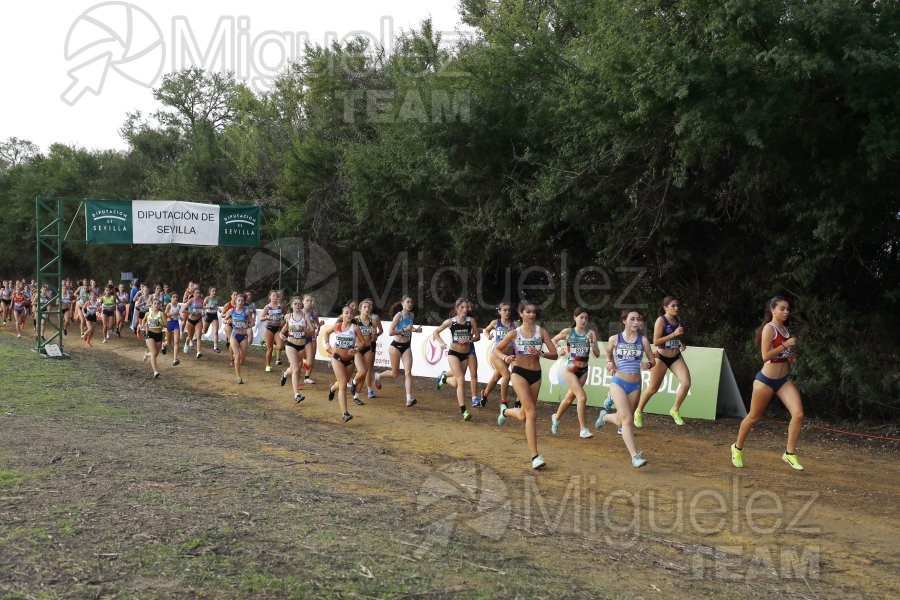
<point x="532" y="376"/>
<point x="5" y="300"/>
<point x="670" y="361"/>
<point x="210" y="317"/>
<point x="363" y="351"/>
<point x="462" y="356"/>
<point x="193" y="322"/>
<point x="91" y="318"/>
<point x="108" y="312"/>
<point x="156" y="336"/>
<point x="297" y="347"/>
<point x="579" y="371"/>
<point x="273" y="328"/>
<point x="401" y="346"/>
<point x="344" y="361"/>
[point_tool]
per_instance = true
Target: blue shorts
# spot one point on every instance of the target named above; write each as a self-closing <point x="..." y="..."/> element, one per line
<point x="775" y="384"/>
<point x="240" y="337"/>
<point x="628" y="386"/>
<point x="472" y="349"/>
<point x="309" y="339"/>
<point x="173" y="325"/>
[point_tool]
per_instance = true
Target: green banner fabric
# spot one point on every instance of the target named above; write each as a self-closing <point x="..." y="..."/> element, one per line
<point x="108" y="222"/>
<point x="239" y="226"/>
<point x="171" y="222"/>
<point x="713" y="388"/>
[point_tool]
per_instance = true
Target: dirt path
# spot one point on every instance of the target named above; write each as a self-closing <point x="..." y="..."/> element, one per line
<point x="178" y="485"/>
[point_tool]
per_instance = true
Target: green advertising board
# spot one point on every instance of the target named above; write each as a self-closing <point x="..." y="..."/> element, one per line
<point x="713" y="390"/>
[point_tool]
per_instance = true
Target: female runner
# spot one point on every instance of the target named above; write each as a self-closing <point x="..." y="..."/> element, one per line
<point x="122" y="304"/>
<point x="347" y="342"/>
<point x="193" y="312"/>
<point x="777" y="347"/>
<point x="366" y="325"/>
<point x="211" y="317"/>
<point x="578" y="342"/>
<point x="18" y="309"/>
<point x="667" y="332"/>
<point x="463" y="329"/>
<point x="152" y="325"/>
<point x="273" y="316"/>
<point x="499" y="327"/>
<point x="173" y="327"/>
<point x="108" y="302"/>
<point x="65" y="304"/>
<point x="528" y="341"/>
<point x="242" y="320"/>
<point x="312" y="332"/>
<point x="401" y="328"/>
<point x="293" y="334"/>
<point x="6" y="291"/>
<point x="628" y="347"/>
<point x="90" y="310"/>
<point x="371" y="380"/>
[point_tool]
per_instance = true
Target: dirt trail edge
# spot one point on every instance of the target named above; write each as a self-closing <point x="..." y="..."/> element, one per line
<point x="114" y="484"/>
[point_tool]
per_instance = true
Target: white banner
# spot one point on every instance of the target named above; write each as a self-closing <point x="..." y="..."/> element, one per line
<point x="175" y="222"/>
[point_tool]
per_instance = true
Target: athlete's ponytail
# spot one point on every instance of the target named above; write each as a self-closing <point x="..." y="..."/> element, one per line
<point x="767" y="317"/>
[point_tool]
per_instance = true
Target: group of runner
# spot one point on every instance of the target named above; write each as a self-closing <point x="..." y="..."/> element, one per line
<point x="164" y="320"/>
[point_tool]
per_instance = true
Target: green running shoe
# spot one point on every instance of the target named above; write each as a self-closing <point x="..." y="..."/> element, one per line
<point x="638" y="419"/>
<point x="791" y="459"/>
<point x="737" y="457"/>
<point x="677" y="416"/>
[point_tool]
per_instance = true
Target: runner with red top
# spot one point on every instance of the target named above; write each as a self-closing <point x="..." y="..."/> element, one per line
<point x="778" y="349"/>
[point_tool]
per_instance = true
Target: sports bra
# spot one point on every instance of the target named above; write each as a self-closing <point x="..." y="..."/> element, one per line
<point x="525" y="345"/>
<point x="628" y="354"/>
<point x="405" y="323"/>
<point x="296" y="327"/>
<point x="345" y="340"/>
<point x="669" y="329"/>
<point x="579" y="347"/>
<point x="461" y="333"/>
<point x="779" y="339"/>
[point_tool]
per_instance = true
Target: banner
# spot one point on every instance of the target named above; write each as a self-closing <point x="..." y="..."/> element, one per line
<point x="171" y="222"/>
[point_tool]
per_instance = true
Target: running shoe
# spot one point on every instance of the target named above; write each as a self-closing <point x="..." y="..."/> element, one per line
<point x="216" y="349"/>
<point x="118" y="331"/>
<point x="156" y="375"/>
<point x="441" y="380"/>
<point x="791" y="459"/>
<point x="475" y="401"/>
<point x="66" y="331"/>
<point x="176" y="362"/>
<point x="466" y="416"/>
<point x="377" y="378"/>
<point x="346" y="417"/>
<point x="677" y="416"/>
<point x="600" y="421"/>
<point x="268" y="368"/>
<point x="619" y="431"/>
<point x="277" y="361"/>
<point x="200" y="355"/>
<point x="353" y="388"/>
<point x="638" y="460"/>
<point x="608" y="404"/>
<point x="283" y="378"/>
<point x="146" y="355"/>
<point x="638" y="419"/>
<point x="502" y="418"/>
<point x="357" y="401"/>
<point x="538" y="462"/>
<point x="410" y="402"/>
<point x="330" y="394"/>
<point x="586" y="433"/>
<point x="737" y="457"/>
<point x="163" y="349"/>
<point x="185" y="349"/>
<point x="484" y="400"/>
<point x="554" y="424"/>
<point x="371" y="394"/>
<point x="298" y="397"/>
<point x="104" y="340"/>
<point x="308" y="380"/>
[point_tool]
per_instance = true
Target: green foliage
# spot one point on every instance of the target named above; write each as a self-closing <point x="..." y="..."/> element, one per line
<point x="730" y="150"/>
